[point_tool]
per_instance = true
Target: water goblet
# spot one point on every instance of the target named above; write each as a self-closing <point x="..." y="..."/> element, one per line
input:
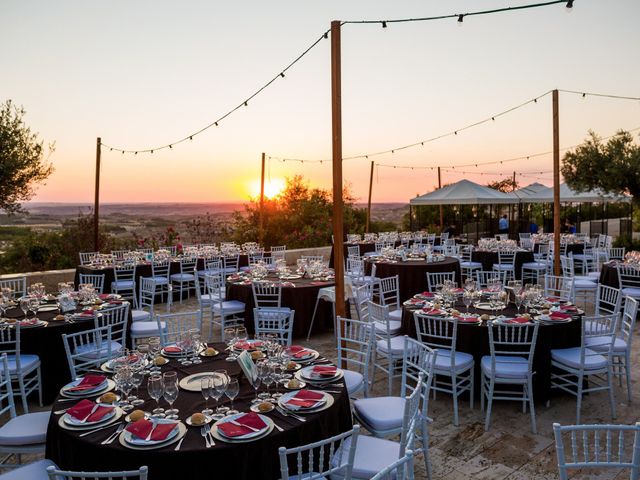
<point x="137" y="375"/>
<point x="170" y="394"/>
<point x="263" y="372"/>
<point x="155" y="387"/>
<point x="122" y="378"/>
<point x="206" y="387"/>
<point x="24" y="305"/>
<point x="467" y="299"/>
<point x="232" y="339"/>
<point x="255" y="383"/>
<point x="518" y="298"/>
<point x="219" y="382"/>
<point x="232" y="390"/>
<point x="196" y="338"/>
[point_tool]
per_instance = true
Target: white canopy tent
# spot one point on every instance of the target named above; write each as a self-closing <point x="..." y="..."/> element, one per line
<point x="464" y="192"/>
<point x="527" y="192"/>
<point x="567" y="195"/>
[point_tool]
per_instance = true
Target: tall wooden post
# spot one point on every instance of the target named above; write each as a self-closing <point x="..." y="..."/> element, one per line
<point x="336" y="134"/>
<point x="261" y="227"/>
<point x="366" y="228"/>
<point x="556" y="185"/>
<point x="441" y="214"/>
<point x="96" y="203"/>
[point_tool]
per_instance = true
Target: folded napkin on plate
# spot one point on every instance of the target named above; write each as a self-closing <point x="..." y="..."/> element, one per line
<point x="569" y="308"/>
<point x="246" y="345"/>
<point x="104" y="296"/>
<point x="559" y="316"/>
<point x="458" y="290"/>
<point x="143" y="427"/>
<point x="427" y="294"/>
<point x="552" y="299"/>
<point x="31" y="321"/>
<point x="320" y="283"/>
<point x="302" y="353"/>
<point x="467" y="319"/>
<point x="296" y="348"/>
<point x="250" y="420"/>
<point x="87" y="313"/>
<point x="517" y="320"/>
<point x="415" y="301"/>
<point x="84" y="407"/>
<point x="87" y="383"/>
<point x="305" y="398"/>
<point x="432" y="312"/>
<point x="324" y="371"/>
<point x="172" y="349"/>
<point x="115" y="302"/>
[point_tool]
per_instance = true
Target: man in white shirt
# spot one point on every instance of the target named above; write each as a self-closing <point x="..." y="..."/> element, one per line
<point x="503" y="225"/>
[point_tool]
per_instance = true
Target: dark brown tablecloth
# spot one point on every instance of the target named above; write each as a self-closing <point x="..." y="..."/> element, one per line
<point x="609" y="276"/>
<point x="412" y="276"/>
<point x="489" y="258"/>
<point x="301" y="298"/>
<point x="46" y="342"/>
<point x="254" y="460"/>
<point x="474" y="339"/>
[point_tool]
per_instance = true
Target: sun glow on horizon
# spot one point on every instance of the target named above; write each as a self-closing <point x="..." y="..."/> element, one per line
<point x="272" y="188"/>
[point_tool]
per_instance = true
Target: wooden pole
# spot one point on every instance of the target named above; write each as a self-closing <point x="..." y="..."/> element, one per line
<point x="336" y="131"/>
<point x="441" y="215"/>
<point x="96" y="203"/>
<point x="261" y="228"/>
<point x="556" y="185"/>
<point x="366" y="229"/>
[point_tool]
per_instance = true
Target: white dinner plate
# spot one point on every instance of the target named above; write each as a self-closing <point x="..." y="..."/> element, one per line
<point x="110" y="385"/>
<point x="131" y="439"/>
<point x="306" y="374"/>
<point x="69" y="420"/>
<point x="320" y="404"/>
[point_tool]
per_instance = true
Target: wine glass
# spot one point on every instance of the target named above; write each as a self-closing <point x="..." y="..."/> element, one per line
<point x="185" y="342"/>
<point x="267" y="379"/>
<point x="219" y="385"/>
<point x="232" y="339"/>
<point x="518" y="298"/>
<point x="196" y="346"/>
<point x="122" y="379"/>
<point x="154" y="351"/>
<point x="232" y="390"/>
<point x="137" y="375"/>
<point x="467" y="299"/>
<point x="170" y="394"/>
<point x="24" y="305"/>
<point x="255" y="383"/>
<point x="155" y="387"/>
<point x="34" y="305"/>
<point x="241" y="333"/>
<point x="206" y="387"/>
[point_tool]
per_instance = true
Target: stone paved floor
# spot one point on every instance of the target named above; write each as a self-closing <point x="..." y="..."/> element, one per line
<point x="508" y="450"/>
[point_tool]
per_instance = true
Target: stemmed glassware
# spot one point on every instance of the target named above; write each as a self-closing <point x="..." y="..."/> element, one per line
<point x="255" y="383"/>
<point x="24" y="305"/>
<point x="196" y="346"/>
<point x="34" y="305"/>
<point x="467" y="299"/>
<point x="122" y="379"/>
<point x="518" y="298"/>
<point x="185" y="342"/>
<point x="155" y="387"/>
<point x="232" y="390"/>
<point x="137" y="375"/>
<point x="219" y="381"/>
<point x="206" y="387"/>
<point x="170" y="394"/>
<point x="154" y="351"/>
<point x="231" y="335"/>
<point x="265" y="377"/>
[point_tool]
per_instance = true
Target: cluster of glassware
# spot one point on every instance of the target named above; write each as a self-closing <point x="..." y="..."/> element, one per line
<point x="191" y="345"/>
<point x="314" y="269"/>
<point x="6" y="300"/>
<point x="229" y="249"/>
<point x="252" y="248"/>
<point x="493" y="244"/>
<point x="87" y="294"/>
<point x="632" y="259"/>
<point x="447" y="292"/>
<point x="259" y="270"/>
<point x="65" y="288"/>
<point x="129" y="371"/>
<point x="37" y="290"/>
<point x="216" y="386"/>
<point x="355" y="237"/>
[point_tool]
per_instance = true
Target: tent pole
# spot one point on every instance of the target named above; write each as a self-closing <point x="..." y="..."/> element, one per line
<point x="556" y="185"/>
<point x="439" y="187"/>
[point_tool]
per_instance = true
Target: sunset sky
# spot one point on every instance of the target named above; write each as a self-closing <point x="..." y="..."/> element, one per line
<point x="146" y="73"/>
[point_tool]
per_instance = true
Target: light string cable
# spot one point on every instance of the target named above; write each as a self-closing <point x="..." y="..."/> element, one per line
<point x="426" y="140"/>
<point x="452" y="168"/>
<point x="244" y="103"/>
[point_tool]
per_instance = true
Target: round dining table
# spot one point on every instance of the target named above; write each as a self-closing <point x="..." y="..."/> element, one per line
<point x="46" y="342"/>
<point x="298" y="294"/>
<point x="412" y="274"/>
<point x="609" y="275"/>
<point x="256" y="460"/>
<point x="473" y="338"/>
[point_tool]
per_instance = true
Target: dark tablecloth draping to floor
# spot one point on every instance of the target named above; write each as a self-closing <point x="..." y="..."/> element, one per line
<point x="609" y="276"/>
<point x="474" y="339"/>
<point x="257" y="460"/>
<point x="412" y="275"/>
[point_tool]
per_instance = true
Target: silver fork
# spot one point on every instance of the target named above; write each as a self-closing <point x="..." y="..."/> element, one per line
<point x="114" y="435"/>
<point x="289" y="414"/>
<point x="203" y="432"/>
<point x="210" y="435"/>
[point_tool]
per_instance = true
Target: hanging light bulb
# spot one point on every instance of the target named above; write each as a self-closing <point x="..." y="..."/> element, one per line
<point x="460" y="20"/>
<point x="569" y="6"/>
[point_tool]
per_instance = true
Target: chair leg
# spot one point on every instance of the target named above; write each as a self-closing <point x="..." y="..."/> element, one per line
<point x="313" y="318"/>
<point x="487" y="420"/>
<point x="454" y="385"/>
<point x="390" y="368"/>
<point x="611" y="399"/>
<point x="425" y="447"/>
<point x="471" y="388"/>
<point x="627" y="372"/>
<point x="579" y="398"/>
<point x="39" y="386"/>
<point x="23" y="395"/>
<point x="532" y="411"/>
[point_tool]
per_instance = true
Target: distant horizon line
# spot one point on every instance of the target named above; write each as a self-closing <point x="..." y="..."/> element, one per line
<point x="90" y="204"/>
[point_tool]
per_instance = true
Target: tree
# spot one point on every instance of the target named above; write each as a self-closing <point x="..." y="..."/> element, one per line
<point x="505" y="185"/>
<point x="22" y="162"/>
<point x="613" y="167"/>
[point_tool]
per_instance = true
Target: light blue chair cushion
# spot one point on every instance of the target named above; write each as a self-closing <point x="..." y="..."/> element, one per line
<point x="27" y="363"/>
<point x="631" y="292"/>
<point x="599" y="344"/>
<point x="89" y="350"/>
<point x="27" y="429"/>
<point x="139" y="315"/>
<point x="380" y="413"/>
<point x="394" y="327"/>
<point x="160" y="280"/>
<point x="396" y="315"/>
<point x="507" y="366"/>
<point x="471" y="264"/>
<point x="534" y="265"/>
<point x="32" y="471"/>
<point x="585" y="285"/>
<point x="571" y="358"/>
<point x="229" y="306"/>
<point x="462" y="361"/>
<point x="123" y="285"/>
<point x="183" y="277"/>
<point x="354" y="381"/>
<point x="397" y="346"/>
<point x="372" y="455"/>
<point x="150" y="328"/>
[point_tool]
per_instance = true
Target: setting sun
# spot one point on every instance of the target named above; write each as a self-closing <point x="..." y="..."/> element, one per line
<point x="272" y="188"/>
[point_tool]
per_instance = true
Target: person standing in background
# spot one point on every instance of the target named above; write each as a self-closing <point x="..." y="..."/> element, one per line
<point x="503" y="225"/>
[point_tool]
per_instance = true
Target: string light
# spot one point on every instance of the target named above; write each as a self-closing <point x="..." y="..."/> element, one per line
<point x="460" y="19"/>
<point x="384" y="24"/>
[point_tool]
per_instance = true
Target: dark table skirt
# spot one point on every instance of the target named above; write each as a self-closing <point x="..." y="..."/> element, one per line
<point x="254" y="460"/>
<point x="301" y="298"/>
<point x="609" y="276"/>
<point x="412" y="276"/>
<point x="474" y="339"/>
<point x="488" y="259"/>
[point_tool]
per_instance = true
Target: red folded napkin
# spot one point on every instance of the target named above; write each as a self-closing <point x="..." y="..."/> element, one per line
<point x="517" y="320"/>
<point x="250" y="420"/>
<point x="87" y="383"/>
<point x="569" y="308"/>
<point x="87" y="313"/>
<point x="115" y="302"/>
<point x="301" y="353"/>
<point x="143" y="427"/>
<point x="104" y="296"/>
<point x="305" y="398"/>
<point x="325" y="371"/>
<point x="296" y="348"/>
<point x="83" y="408"/>
<point x="559" y="316"/>
<point x="172" y="349"/>
<point x="31" y="321"/>
<point x="458" y="290"/>
<point x="468" y="319"/>
<point x="427" y="294"/>
<point x="433" y="312"/>
<point x="552" y="299"/>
